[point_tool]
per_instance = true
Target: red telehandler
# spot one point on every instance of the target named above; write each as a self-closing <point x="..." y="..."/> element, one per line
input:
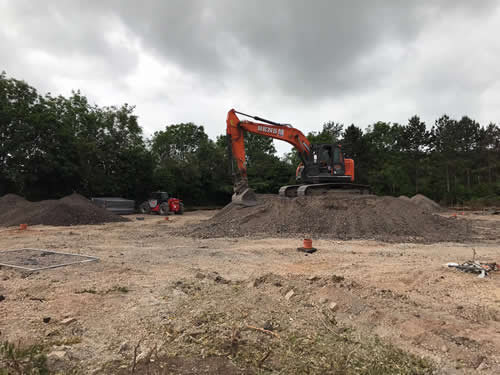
<point x="159" y="202"/>
<point x="322" y="168"/>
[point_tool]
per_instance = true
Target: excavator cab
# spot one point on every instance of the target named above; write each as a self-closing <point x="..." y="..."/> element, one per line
<point x="330" y="159"/>
<point x="324" y="164"/>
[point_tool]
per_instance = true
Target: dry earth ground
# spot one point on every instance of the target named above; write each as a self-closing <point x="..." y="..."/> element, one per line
<point x="158" y="302"/>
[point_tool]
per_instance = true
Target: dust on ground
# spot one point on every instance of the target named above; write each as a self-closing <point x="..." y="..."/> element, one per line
<point x="337" y="216"/>
<point x="159" y="302"/>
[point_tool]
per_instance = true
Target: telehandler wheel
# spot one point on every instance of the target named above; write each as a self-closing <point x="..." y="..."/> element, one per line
<point x="181" y="209"/>
<point x="164" y="209"/>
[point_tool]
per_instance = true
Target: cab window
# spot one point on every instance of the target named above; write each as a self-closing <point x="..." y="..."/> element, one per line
<point x="337" y="156"/>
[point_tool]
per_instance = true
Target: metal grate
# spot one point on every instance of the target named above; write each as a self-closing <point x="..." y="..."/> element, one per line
<point x="38" y="259"/>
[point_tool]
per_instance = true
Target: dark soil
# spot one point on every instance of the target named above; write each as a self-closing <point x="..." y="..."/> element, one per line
<point x="187" y="366"/>
<point x="340" y="216"/>
<point x="71" y="210"/>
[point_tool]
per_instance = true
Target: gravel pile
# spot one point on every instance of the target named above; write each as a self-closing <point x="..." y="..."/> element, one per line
<point x="340" y="216"/>
<point x="71" y="210"/>
<point x="426" y="203"/>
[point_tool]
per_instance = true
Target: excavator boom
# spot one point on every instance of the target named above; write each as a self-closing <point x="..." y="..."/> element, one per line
<point x="235" y="133"/>
<point x="267" y="128"/>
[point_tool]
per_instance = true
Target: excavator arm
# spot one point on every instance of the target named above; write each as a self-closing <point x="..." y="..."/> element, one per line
<point x="236" y="138"/>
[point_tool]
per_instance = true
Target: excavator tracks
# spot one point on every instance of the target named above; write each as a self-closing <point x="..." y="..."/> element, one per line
<point x="291" y="191"/>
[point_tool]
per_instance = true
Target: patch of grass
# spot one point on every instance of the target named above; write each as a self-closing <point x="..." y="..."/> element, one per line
<point x="117" y="288"/>
<point x="323" y="352"/>
<point x="90" y="291"/>
<point x="307" y="340"/>
<point x="73" y="340"/>
<point x="19" y="359"/>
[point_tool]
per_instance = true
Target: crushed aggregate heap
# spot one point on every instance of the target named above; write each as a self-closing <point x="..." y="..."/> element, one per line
<point x="339" y="216"/>
<point x="73" y="209"/>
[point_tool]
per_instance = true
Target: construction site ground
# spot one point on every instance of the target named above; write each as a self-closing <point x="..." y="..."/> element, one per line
<point x="158" y="301"/>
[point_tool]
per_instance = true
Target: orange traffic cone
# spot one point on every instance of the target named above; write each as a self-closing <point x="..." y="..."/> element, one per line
<point x="307" y="247"/>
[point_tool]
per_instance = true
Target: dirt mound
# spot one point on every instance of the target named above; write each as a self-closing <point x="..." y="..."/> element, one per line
<point x="334" y="216"/>
<point x="9" y="201"/>
<point x="404" y="197"/>
<point x="10" y="204"/>
<point x="71" y="210"/>
<point x="425" y="203"/>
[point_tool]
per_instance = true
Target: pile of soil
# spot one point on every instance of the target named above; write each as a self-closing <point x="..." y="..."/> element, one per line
<point x="425" y="203"/>
<point x="341" y="216"/>
<point x="9" y="201"/>
<point x="71" y="210"/>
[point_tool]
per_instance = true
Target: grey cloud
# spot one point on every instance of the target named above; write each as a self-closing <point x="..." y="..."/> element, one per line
<point x="66" y="30"/>
<point x="300" y="48"/>
<point x="272" y="56"/>
<point x="310" y="49"/>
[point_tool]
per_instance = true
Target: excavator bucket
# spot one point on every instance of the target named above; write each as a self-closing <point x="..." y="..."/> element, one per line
<point x="245" y="198"/>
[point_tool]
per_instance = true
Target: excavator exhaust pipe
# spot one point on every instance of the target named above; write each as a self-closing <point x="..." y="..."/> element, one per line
<point x="246" y="198"/>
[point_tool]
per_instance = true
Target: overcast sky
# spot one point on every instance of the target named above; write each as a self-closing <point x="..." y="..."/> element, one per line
<point x="303" y="62"/>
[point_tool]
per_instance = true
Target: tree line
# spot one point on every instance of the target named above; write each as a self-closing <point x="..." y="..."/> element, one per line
<point x="51" y="146"/>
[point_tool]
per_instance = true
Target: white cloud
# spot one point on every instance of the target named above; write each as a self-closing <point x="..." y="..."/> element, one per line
<point x="191" y="61"/>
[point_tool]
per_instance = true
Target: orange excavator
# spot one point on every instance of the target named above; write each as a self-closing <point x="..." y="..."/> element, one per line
<point x="322" y="168"/>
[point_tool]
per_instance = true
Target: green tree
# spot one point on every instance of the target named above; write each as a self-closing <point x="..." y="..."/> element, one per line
<point x="489" y="146"/>
<point x="188" y="164"/>
<point x="385" y="174"/>
<point x="256" y="147"/>
<point x="354" y="146"/>
<point x="414" y="141"/>
<point x="330" y="133"/>
<point x="52" y="146"/>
